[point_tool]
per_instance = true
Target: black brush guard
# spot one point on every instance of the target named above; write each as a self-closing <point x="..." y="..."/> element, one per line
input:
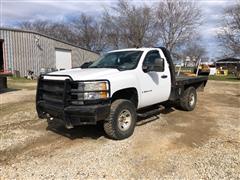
<point x="54" y="99"/>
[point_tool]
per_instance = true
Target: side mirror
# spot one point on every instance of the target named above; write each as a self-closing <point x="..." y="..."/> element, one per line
<point x="158" y="66"/>
<point x="146" y="68"/>
<point x="86" y="64"/>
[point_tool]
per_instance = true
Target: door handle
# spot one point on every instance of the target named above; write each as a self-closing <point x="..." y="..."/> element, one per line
<point x="164" y="76"/>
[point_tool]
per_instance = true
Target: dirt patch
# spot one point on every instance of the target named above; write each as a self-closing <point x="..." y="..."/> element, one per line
<point x="17" y="96"/>
<point x="16" y="113"/>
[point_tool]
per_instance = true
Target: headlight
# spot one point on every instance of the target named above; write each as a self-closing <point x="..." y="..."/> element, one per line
<point x="96" y="86"/>
<point x="93" y="90"/>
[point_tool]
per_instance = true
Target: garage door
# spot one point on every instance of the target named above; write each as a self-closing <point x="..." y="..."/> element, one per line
<point x="63" y="59"/>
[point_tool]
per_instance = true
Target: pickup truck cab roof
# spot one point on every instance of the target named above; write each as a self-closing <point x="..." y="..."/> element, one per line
<point x="134" y="49"/>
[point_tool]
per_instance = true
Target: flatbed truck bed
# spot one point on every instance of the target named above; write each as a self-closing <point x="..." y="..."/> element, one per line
<point x="184" y="80"/>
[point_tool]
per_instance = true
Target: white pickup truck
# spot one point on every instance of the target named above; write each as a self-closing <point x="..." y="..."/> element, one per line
<point x="116" y="89"/>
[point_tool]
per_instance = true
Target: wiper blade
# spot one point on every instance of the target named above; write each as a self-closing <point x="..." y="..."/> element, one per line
<point x="93" y="67"/>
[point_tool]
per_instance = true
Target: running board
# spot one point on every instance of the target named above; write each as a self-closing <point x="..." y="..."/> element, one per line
<point x="152" y="112"/>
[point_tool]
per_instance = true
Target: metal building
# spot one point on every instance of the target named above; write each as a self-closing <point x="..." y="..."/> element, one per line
<point x="21" y="51"/>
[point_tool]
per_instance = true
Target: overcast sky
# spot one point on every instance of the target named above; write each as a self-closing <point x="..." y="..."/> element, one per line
<point x="15" y="11"/>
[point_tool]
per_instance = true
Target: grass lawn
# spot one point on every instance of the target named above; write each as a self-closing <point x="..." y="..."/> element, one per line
<point x="224" y="78"/>
<point x="20" y="80"/>
<point x="21" y="83"/>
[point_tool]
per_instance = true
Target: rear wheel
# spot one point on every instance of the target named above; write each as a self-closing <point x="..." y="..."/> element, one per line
<point x="189" y="99"/>
<point x="122" y="120"/>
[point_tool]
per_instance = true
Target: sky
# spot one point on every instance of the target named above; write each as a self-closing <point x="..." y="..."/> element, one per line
<point x="14" y="11"/>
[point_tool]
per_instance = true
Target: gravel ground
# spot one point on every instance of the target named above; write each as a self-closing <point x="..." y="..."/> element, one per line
<point x="202" y="144"/>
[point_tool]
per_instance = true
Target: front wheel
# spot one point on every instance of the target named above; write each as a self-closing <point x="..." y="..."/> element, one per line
<point x="122" y="120"/>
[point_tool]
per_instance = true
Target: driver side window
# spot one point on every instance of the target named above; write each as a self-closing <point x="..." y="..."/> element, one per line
<point x="150" y="58"/>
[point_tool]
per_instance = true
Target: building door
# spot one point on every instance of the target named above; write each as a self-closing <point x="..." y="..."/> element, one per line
<point x="1" y="56"/>
<point x="63" y="59"/>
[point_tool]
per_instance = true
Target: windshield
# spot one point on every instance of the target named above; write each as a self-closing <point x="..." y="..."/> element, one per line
<point x="122" y="60"/>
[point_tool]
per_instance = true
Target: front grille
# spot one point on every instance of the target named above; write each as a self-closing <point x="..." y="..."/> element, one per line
<point x="52" y="92"/>
<point x="63" y="93"/>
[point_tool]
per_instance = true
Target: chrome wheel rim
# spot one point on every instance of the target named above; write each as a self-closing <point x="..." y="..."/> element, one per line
<point x="191" y="99"/>
<point x="124" y="120"/>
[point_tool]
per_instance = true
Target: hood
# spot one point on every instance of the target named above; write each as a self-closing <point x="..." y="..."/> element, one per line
<point x="85" y="74"/>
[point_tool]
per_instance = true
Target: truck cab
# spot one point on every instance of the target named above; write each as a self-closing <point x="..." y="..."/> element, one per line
<point x="115" y="89"/>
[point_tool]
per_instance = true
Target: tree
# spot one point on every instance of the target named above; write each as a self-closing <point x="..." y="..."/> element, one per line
<point x="112" y="31"/>
<point x="37" y="25"/>
<point x="82" y="30"/>
<point x="229" y="35"/>
<point x="130" y="25"/>
<point x="172" y="23"/>
<point x="57" y="30"/>
<point x="89" y="32"/>
<point x="177" y="22"/>
<point x="194" y="51"/>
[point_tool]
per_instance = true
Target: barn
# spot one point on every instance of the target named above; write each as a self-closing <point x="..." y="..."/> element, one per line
<point x="22" y="51"/>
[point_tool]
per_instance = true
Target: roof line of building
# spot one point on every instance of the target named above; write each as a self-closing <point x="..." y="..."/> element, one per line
<point x="47" y="36"/>
<point x="226" y="62"/>
<point x="228" y="59"/>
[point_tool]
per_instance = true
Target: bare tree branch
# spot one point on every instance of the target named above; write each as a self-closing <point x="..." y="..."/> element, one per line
<point x="177" y="22"/>
<point x="89" y="32"/>
<point x="130" y="25"/>
<point x="229" y="35"/>
<point x="57" y="30"/>
<point x="172" y="23"/>
<point x="194" y="51"/>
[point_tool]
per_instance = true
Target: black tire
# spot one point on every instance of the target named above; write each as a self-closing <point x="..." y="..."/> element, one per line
<point x="186" y="102"/>
<point x="111" y="125"/>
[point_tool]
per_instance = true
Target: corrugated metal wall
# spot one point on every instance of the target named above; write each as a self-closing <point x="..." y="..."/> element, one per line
<point x="25" y="51"/>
